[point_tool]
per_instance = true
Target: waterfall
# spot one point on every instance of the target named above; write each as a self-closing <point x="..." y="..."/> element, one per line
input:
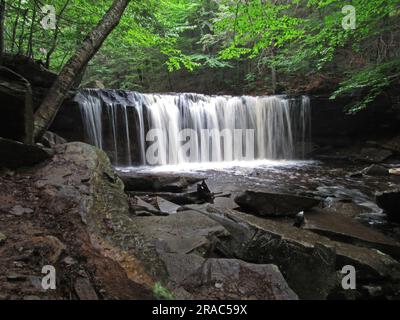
<point x="154" y="129"/>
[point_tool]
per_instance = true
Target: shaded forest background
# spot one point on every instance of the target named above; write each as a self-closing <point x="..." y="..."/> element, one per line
<point x="222" y="47"/>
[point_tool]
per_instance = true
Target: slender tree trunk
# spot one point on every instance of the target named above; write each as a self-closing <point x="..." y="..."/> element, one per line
<point x="55" y="37"/>
<point x="50" y="105"/>
<point x="15" y="27"/>
<point x="29" y="52"/>
<point x="22" y="34"/>
<point x="2" y="17"/>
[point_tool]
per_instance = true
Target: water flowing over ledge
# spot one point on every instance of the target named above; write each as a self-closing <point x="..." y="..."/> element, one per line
<point x="134" y="129"/>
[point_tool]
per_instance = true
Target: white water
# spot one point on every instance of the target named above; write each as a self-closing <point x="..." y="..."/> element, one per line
<point x="119" y="121"/>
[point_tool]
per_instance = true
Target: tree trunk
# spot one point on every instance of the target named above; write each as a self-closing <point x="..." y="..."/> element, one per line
<point x="15" y="26"/>
<point x="29" y="52"/>
<point x="50" y="105"/>
<point x="55" y="36"/>
<point x="2" y="17"/>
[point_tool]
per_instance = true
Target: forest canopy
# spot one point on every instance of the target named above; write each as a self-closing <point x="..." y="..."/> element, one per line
<point x="226" y="46"/>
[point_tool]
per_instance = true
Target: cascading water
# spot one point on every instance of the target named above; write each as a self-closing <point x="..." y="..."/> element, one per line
<point x="150" y="129"/>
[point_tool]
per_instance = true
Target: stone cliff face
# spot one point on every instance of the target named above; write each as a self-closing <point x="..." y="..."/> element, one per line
<point x="331" y="126"/>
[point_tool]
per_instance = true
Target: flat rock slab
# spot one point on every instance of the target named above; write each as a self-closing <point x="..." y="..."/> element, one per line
<point x="274" y="204"/>
<point x="345" y="229"/>
<point x="304" y="257"/>
<point x="167" y="206"/>
<point x="183" y="233"/>
<point x="141" y="203"/>
<point x="156" y="183"/>
<point x="15" y="154"/>
<point x="231" y="279"/>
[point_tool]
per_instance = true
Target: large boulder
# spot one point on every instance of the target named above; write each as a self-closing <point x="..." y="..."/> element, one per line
<point x="54" y="225"/>
<point x="390" y="202"/>
<point x="274" y="204"/>
<point x="375" y="170"/>
<point x="155" y="182"/>
<point x="231" y="279"/>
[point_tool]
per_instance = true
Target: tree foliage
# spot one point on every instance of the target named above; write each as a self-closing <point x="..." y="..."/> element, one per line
<point x="244" y="46"/>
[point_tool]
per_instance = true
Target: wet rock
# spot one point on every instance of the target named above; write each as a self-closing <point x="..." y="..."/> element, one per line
<point x="274" y="204"/>
<point x="167" y="206"/>
<point x="375" y="170"/>
<point x="231" y="279"/>
<point x="390" y="202"/>
<point x="84" y="289"/>
<point x="345" y="229"/>
<point x="156" y="183"/>
<point x="20" y="211"/>
<point x="304" y="257"/>
<point x="347" y="208"/>
<point x="50" y="139"/>
<point x="3" y="238"/>
<point x="15" y="154"/>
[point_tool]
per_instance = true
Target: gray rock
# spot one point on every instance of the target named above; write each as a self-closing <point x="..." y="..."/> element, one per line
<point x="167" y="206"/>
<point x="15" y="154"/>
<point x="227" y="279"/>
<point x="144" y="204"/>
<point x="304" y="257"/>
<point x="20" y="211"/>
<point x="50" y="139"/>
<point x="345" y="229"/>
<point x="274" y="204"/>
<point x="375" y="170"/>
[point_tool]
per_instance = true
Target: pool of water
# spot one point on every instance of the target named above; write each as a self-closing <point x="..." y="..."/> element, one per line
<point x="331" y="181"/>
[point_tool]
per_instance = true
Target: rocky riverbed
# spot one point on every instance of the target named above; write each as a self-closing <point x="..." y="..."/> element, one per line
<point x="267" y="231"/>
